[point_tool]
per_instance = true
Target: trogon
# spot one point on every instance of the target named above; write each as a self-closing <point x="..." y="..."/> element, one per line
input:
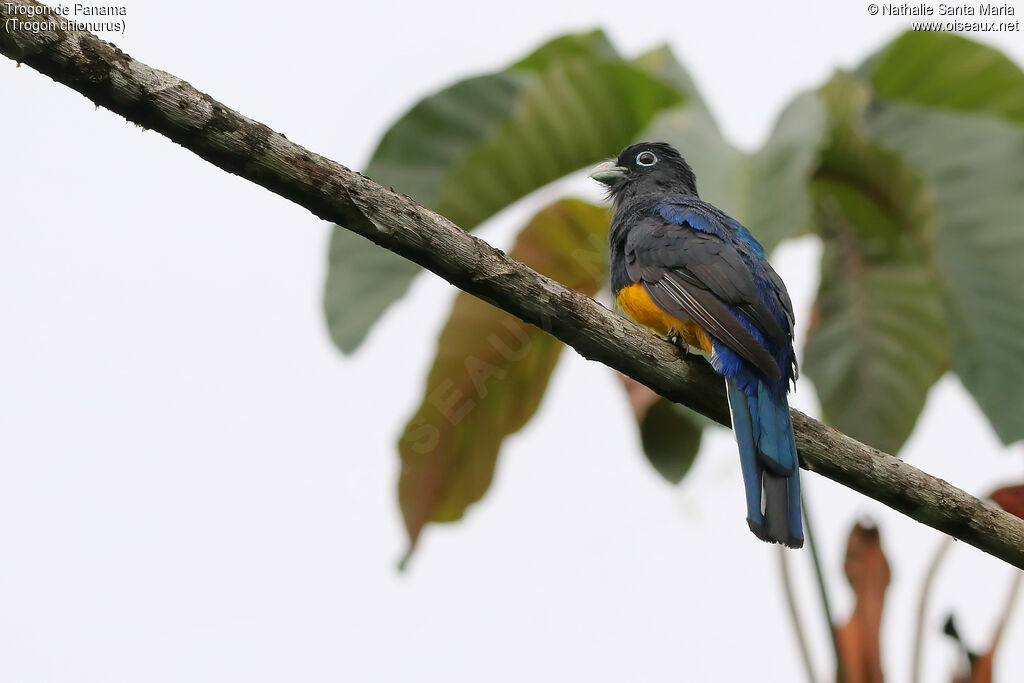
<point x="688" y="272"/>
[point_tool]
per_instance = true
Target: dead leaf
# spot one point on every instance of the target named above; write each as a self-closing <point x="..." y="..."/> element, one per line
<point x="867" y="570"/>
<point x="1011" y="499"/>
<point x="491" y="371"/>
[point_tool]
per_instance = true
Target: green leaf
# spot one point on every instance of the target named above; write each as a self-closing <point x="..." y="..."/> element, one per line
<point x="767" y="191"/>
<point x="949" y="109"/>
<point x="472" y="149"/>
<point x="975" y="165"/>
<point x="953" y="109"/>
<point x="589" y="45"/>
<point x="776" y="201"/>
<point x="361" y="275"/>
<point x="670" y="433"/>
<point x="491" y="371"/>
<point x="878" y="340"/>
<point x="661" y="63"/>
<point x="944" y="70"/>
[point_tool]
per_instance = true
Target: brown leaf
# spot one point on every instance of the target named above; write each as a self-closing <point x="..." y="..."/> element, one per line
<point x="867" y="570"/>
<point x="1010" y="498"/>
<point x="981" y="668"/>
<point x="491" y="371"/>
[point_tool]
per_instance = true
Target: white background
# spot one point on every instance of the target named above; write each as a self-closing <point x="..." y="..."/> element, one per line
<point x="194" y="485"/>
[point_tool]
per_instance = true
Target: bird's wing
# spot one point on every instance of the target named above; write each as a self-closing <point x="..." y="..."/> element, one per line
<point x="695" y="275"/>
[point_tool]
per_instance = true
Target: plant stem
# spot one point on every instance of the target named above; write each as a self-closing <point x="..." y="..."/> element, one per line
<point x="822" y="589"/>
<point x="794" y="614"/>
<point x="922" y="607"/>
<point x="1011" y="600"/>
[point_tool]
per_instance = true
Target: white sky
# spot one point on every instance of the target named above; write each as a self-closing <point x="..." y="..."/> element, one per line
<point x="196" y="486"/>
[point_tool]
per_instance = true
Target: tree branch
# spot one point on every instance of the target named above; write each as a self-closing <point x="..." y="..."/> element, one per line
<point x="159" y="101"/>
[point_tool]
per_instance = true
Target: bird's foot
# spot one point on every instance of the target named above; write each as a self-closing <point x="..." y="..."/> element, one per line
<point x="678" y="342"/>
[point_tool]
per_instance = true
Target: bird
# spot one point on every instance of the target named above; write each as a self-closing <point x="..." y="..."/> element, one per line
<point x="692" y="274"/>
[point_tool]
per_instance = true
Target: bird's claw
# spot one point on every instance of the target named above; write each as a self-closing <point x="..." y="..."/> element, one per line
<point x="678" y="342"/>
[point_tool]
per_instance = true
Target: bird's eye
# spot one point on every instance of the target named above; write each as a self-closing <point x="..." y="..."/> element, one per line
<point x="646" y="158"/>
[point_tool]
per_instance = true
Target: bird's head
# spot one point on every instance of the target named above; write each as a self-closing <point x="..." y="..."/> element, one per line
<point x="646" y="168"/>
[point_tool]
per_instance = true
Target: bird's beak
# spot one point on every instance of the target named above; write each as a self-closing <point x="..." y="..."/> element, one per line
<point x="608" y="173"/>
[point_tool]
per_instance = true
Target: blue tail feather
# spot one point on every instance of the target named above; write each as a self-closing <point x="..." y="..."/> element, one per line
<point x="771" y="475"/>
<point x="776" y="439"/>
<point x="743" y="426"/>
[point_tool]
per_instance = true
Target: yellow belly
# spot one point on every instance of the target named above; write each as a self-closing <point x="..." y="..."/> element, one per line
<point x="635" y="302"/>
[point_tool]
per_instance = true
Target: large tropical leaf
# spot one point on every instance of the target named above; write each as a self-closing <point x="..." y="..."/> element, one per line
<point x="944" y="70"/>
<point x="775" y="199"/>
<point x="491" y="371"/>
<point x="975" y="165"/>
<point x="953" y="109"/>
<point x="878" y="339"/>
<point x="471" y="149"/>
